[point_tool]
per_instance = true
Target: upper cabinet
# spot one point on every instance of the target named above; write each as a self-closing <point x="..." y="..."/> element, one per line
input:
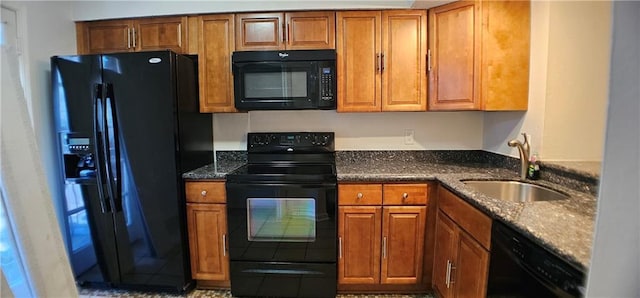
<point x="479" y="55"/>
<point x="215" y="45"/>
<point x="144" y="34"/>
<point x="382" y="60"/>
<point x="285" y="31"/>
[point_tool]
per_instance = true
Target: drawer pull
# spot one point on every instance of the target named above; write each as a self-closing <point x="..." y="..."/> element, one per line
<point x="405" y="195"/>
<point x="204" y="193"/>
<point x="360" y="195"/>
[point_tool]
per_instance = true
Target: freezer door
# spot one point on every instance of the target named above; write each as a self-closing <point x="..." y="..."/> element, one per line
<point x="86" y="222"/>
<point x="142" y="159"/>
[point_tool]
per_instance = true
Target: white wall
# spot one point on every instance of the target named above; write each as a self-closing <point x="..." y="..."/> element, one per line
<point x="45" y="29"/>
<point x="91" y="10"/>
<point x="577" y="81"/>
<point x="615" y="262"/>
<point x="358" y="131"/>
<point x="568" y="84"/>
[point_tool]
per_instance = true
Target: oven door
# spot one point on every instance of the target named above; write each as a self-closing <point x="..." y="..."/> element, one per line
<point x="276" y="85"/>
<point x="282" y="222"/>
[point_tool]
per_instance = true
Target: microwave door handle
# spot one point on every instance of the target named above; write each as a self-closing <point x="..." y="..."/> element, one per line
<point x="98" y="145"/>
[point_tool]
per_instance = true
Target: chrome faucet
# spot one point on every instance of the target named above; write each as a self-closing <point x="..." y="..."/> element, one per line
<point x="523" y="149"/>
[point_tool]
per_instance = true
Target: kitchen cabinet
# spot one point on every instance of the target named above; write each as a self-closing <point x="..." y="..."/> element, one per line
<point x="381" y="233"/>
<point x="216" y="43"/>
<point x="479" y="55"/>
<point x="462" y="242"/>
<point x="132" y="35"/>
<point x="381" y="60"/>
<point x="285" y="31"/>
<point x="207" y="225"/>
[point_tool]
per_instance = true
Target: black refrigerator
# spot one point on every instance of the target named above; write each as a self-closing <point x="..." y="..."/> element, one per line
<point x="127" y="127"/>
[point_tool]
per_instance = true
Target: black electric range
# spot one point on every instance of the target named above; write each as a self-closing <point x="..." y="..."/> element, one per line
<point x="282" y="217"/>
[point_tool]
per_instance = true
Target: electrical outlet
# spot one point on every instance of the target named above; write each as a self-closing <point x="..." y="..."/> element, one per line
<point x="408" y="136"/>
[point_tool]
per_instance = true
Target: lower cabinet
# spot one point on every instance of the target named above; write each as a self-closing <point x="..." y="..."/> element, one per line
<point x="381" y="240"/>
<point x="207" y="225"/>
<point x="462" y="237"/>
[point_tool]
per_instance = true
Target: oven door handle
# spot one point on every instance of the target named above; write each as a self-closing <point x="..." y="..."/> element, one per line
<point x="276" y="184"/>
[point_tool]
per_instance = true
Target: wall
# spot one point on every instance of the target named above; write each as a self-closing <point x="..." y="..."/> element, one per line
<point x="358" y="131"/>
<point x="91" y="10"/>
<point x="568" y="84"/>
<point x="45" y="29"/>
<point x="615" y="263"/>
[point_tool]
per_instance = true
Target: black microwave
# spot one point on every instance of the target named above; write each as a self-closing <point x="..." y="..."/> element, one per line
<point x="285" y="80"/>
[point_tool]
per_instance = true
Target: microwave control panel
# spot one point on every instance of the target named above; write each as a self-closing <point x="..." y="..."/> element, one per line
<point x="327" y="84"/>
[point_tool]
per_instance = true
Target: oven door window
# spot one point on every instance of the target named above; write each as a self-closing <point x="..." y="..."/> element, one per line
<point x="284" y="220"/>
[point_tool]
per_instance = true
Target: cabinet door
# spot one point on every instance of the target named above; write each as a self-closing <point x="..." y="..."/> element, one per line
<point x="215" y="46"/>
<point x="469" y="275"/>
<point x="207" y="224"/>
<point x="359" y="245"/>
<point x="358" y="54"/>
<point x="454" y="42"/>
<point x="404" y="60"/>
<point x="311" y="30"/>
<point x="403" y="244"/>
<point x="445" y="240"/>
<point x="161" y="34"/>
<point x="259" y="31"/>
<point x="104" y="37"/>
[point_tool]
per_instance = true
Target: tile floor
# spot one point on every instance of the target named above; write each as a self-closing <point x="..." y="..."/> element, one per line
<point x="90" y="293"/>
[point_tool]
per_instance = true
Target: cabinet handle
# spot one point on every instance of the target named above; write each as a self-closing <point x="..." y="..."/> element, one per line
<point x="288" y="34"/>
<point x="360" y="195"/>
<point x="428" y="60"/>
<point x="128" y="38"/>
<point x="203" y="193"/>
<point x="377" y="63"/>
<point x="224" y="245"/>
<point x="134" y="37"/>
<point x="405" y="196"/>
<point x="448" y="274"/>
<point x="384" y="247"/>
<point x="382" y="63"/>
<point x="452" y="274"/>
<point x="284" y="32"/>
<point x="340" y="247"/>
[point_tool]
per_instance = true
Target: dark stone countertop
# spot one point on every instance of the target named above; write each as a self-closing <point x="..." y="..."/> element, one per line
<point x="564" y="227"/>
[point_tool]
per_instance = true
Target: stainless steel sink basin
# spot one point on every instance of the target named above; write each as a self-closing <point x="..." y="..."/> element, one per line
<point x="515" y="191"/>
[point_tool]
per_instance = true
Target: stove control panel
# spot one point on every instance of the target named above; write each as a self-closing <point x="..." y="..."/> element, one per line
<point x="291" y="142"/>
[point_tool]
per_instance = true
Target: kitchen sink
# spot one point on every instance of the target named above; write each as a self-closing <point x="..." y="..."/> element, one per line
<point x="515" y="191"/>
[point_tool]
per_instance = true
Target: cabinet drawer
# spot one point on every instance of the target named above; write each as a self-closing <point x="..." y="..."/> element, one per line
<point x="359" y="194"/>
<point x="405" y="194"/>
<point x="206" y="192"/>
<point x="470" y="219"/>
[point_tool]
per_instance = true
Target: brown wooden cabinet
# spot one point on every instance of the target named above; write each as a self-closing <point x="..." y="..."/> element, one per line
<point x="479" y="55"/>
<point x="129" y="35"/>
<point x="382" y="60"/>
<point x="462" y="242"/>
<point x="216" y="43"/>
<point x="381" y="233"/>
<point x="285" y="31"/>
<point x="207" y="225"/>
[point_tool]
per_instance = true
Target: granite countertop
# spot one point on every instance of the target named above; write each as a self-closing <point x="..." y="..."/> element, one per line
<point x="564" y="227"/>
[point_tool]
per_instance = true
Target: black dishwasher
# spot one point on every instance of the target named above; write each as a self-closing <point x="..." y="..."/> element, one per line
<point x="521" y="268"/>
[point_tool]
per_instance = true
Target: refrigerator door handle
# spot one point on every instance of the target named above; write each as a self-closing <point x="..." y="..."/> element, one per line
<point x="97" y="136"/>
<point x="114" y="134"/>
